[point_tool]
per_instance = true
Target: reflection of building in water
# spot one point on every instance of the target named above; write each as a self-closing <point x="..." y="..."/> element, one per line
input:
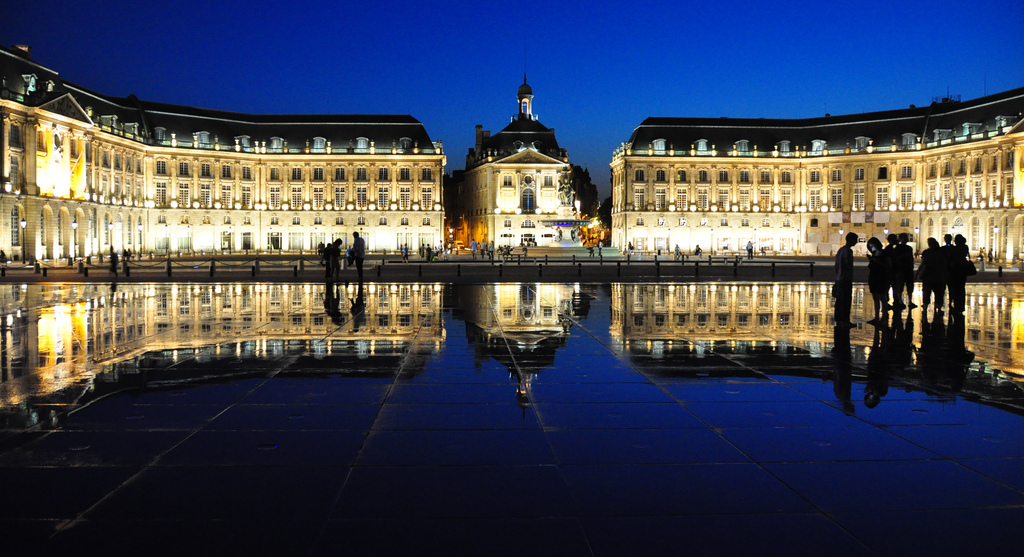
<point x="63" y="336"/>
<point x="521" y="326"/>
<point x="727" y="311"/>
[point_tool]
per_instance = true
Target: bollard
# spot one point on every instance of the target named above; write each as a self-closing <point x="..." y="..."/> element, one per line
<point x="253" y="270"/>
<point x="618" y="268"/>
<point x="81" y="265"/>
<point x="579" y="270"/>
<point x="540" y="269"/>
<point x="458" y="270"/>
<point x="213" y="267"/>
<point x="44" y="271"/>
<point x="773" y="269"/>
<point x="696" y="268"/>
<point x="85" y="272"/>
<point x="37" y="268"/>
<point x="709" y="260"/>
<point x="812" y="268"/>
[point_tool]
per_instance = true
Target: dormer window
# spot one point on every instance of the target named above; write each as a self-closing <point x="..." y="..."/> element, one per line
<point x="244" y="141"/>
<point x="276" y="144"/>
<point x="658" y="145"/>
<point x="784" y="146"/>
<point x="405" y="143"/>
<point x="702" y="145"/>
<point x="817" y="146"/>
<point x="971" y="128"/>
<point x="319" y="145"/>
<point x="941" y="134"/>
<point x="202" y="139"/>
<point x="909" y="139"/>
<point x="362" y="144"/>
<point x="743" y="146"/>
<point x="862" y="142"/>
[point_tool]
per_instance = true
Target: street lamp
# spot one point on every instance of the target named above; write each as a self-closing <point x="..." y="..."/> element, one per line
<point x="74" y="237"/>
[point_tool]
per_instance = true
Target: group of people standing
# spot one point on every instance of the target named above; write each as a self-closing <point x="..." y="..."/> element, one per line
<point x="891" y="268"/>
<point x="331" y="257"/>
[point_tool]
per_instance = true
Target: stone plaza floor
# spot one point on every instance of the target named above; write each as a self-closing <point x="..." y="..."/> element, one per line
<point x="505" y="419"/>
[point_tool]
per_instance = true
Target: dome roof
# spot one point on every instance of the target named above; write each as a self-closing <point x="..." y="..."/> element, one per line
<point x="525" y="89"/>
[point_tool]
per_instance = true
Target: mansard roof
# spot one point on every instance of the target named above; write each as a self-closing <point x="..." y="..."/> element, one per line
<point x="528" y="133"/>
<point x="341" y="129"/>
<point x="884" y="128"/>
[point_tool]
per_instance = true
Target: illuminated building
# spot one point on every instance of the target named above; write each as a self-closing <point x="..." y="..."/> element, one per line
<point x="515" y="189"/>
<point x="796" y="186"/>
<point x="84" y="173"/>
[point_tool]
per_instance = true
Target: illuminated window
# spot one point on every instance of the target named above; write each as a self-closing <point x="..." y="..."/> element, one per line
<point x="318" y="174"/>
<point x="339" y="174"/>
<point x="427" y="175"/>
<point x="404" y="174"/>
<point x="638" y="175"/>
<point x="382" y="174"/>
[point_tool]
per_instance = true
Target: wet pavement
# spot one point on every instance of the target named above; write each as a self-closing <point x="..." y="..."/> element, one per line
<point x="505" y="419"/>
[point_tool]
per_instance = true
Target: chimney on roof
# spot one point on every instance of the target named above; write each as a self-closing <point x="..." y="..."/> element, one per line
<point x="23" y="50"/>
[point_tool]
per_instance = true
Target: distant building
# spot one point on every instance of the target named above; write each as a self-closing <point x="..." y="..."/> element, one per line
<point x="516" y="186"/>
<point x="796" y="186"/>
<point x="84" y="173"/>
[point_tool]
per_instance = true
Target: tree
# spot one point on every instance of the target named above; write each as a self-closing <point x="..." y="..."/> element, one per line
<point x="604" y="213"/>
<point x="585" y="190"/>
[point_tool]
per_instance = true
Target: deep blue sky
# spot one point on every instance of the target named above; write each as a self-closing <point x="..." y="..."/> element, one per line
<point x="597" y="68"/>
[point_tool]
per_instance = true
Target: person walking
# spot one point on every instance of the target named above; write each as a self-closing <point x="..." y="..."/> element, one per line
<point x="903" y="271"/>
<point x="947" y="251"/>
<point x="932" y="274"/>
<point x="358" y="254"/>
<point x="750" y="249"/>
<point x="889" y="251"/>
<point x="842" y="290"/>
<point x="878" y="280"/>
<point x="113" y="261"/>
<point x="472" y="248"/>
<point x="959" y="264"/>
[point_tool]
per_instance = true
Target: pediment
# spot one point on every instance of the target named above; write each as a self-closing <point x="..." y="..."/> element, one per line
<point x="67" y="106"/>
<point x="530" y="157"/>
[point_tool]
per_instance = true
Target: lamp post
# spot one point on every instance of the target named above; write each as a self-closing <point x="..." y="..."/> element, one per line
<point x="141" y="244"/>
<point x="74" y="238"/>
<point x="24" y="241"/>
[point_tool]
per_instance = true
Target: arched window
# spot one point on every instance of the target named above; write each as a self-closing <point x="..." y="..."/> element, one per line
<point x="527" y="202"/>
<point x="106" y="229"/>
<point x="383" y="221"/>
<point x="743" y="146"/>
<point x="319" y="144"/>
<point x="362" y="144"/>
<point x="405" y="143"/>
<point x="702" y="145"/>
<point x="528" y="224"/>
<point x="659" y="145"/>
<point x="817" y="146"/>
<point x="784" y="146"/>
<point x="638" y="175"/>
<point x="15" y="227"/>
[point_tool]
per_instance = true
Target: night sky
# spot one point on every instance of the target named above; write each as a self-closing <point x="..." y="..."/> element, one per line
<point x="597" y="68"/>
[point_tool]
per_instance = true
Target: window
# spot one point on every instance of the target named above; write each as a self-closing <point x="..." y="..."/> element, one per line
<point x="296" y="201"/>
<point x="764" y="198"/>
<point x="426" y="221"/>
<point x="383" y="196"/>
<point x="743" y="146"/>
<point x="638" y="175"/>
<point x="883" y="172"/>
<point x="339" y="196"/>
<point x="204" y="194"/>
<point x="361" y="221"/>
<point x="427" y="198"/>
<point x="382" y="174"/>
<point x="506" y="180"/>
<point x="947" y="168"/>
<point x="275" y="174"/>
<point x="404" y="221"/>
<point x="225" y="194"/>
<point x="659" y="175"/>
<point x="858" y="174"/>
<point x="639" y="199"/>
<point x="225" y="171"/>
<point x="837" y="175"/>
<point x="275" y="197"/>
<point x="247" y="173"/>
<point x="702" y="199"/>
<point x="362" y="196"/>
<point x="723" y="198"/>
<point x="427" y="174"/>
<point x="405" y="197"/>
<point x="977" y="192"/>
<point x="766" y="177"/>
<point x="786" y="200"/>
<point x="247" y="196"/>
<point x="723" y="175"/>
<point x="361" y="175"/>
<point x="204" y="170"/>
<point x="702" y="145"/>
<point x="745" y="176"/>
<point x="906" y="172"/>
<point x="767" y="222"/>
<point x="837" y="199"/>
<point x="340" y="221"/>
<point x="817" y="146"/>
<point x="318" y="196"/>
<point x="906" y="197"/>
<point x="296" y="220"/>
<point x="183" y="169"/>
<point x="161" y="168"/>
<point x="404" y="174"/>
<point x="680" y="175"/>
<point x="660" y="201"/>
<point x="15" y="226"/>
<point x="881" y="198"/>
<point x="296" y="173"/>
<point x="681" y="199"/>
<point x="814" y="200"/>
<point x="528" y="199"/>
<point x="639" y="221"/>
<point x="744" y="199"/>
<point x="702" y="176"/>
<point x="931" y="170"/>
<point x="528" y="224"/>
<point x="815" y="176"/>
<point x="339" y="174"/>
<point x="183" y="197"/>
<point x="161" y="194"/>
<point x="858" y="198"/>
<point x="318" y="174"/>
<point x="786" y="177"/>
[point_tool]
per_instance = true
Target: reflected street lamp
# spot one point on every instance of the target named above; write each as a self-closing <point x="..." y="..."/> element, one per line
<point x="74" y="238"/>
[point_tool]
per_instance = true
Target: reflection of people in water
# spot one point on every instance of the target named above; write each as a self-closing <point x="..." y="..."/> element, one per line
<point x="358" y="310"/>
<point x="332" y="304"/>
<point x="842" y="378"/>
<point x="878" y="383"/>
